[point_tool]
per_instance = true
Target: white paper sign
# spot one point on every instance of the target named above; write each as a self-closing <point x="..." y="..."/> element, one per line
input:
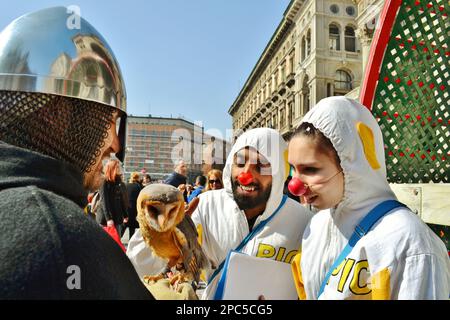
<point x="249" y="277"/>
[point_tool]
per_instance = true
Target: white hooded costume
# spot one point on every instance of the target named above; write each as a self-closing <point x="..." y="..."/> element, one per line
<point x="223" y="225"/>
<point x="401" y="257"/>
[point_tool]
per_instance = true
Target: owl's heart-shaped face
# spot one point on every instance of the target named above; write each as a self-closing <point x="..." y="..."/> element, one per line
<point x="160" y="207"/>
<point x="162" y="216"/>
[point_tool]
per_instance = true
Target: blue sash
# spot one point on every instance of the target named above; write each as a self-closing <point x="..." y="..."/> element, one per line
<point x="361" y="230"/>
<point x="219" y="291"/>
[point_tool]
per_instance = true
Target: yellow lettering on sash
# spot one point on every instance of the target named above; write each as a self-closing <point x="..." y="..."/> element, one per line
<point x="265" y="251"/>
<point x="280" y="254"/>
<point x="290" y="256"/>
<point x="345" y="274"/>
<point x="355" y="287"/>
<point x="337" y="270"/>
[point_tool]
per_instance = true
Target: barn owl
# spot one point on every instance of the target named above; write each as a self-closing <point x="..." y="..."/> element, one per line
<point x="170" y="233"/>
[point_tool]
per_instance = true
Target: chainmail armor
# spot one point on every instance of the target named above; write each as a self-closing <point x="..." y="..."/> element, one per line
<point x="68" y="129"/>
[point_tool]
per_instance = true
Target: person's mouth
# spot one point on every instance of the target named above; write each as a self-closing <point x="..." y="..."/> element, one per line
<point x="311" y="199"/>
<point x="249" y="189"/>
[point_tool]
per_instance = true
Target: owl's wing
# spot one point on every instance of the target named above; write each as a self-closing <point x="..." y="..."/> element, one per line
<point x="193" y="256"/>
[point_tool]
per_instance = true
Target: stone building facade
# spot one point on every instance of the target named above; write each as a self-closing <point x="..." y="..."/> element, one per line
<point x="155" y="145"/>
<point x="314" y="53"/>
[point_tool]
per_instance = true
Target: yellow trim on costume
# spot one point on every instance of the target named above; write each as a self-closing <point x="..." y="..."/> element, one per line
<point x="368" y="141"/>
<point x="298" y="279"/>
<point x="381" y="285"/>
<point x="200" y="232"/>
<point x="200" y="240"/>
<point x="287" y="166"/>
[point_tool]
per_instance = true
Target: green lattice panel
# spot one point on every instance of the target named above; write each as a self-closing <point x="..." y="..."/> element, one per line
<point x="411" y="102"/>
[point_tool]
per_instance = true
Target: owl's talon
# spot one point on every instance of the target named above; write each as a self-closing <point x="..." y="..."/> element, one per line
<point x="156" y="278"/>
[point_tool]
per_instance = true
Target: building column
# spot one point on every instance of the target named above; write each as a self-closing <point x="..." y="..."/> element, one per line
<point x="366" y="40"/>
<point x="301" y="102"/>
<point x="297" y="105"/>
<point x="313" y="97"/>
<point x="288" y="64"/>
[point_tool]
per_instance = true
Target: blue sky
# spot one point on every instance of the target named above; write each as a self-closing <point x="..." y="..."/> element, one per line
<point x="185" y="58"/>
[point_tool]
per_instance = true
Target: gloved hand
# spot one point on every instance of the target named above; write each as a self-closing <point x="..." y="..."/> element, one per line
<point x="162" y="290"/>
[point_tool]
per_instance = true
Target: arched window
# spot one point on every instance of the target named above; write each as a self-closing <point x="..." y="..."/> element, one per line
<point x="350" y="40"/>
<point x="335" y="38"/>
<point x="291" y="62"/>
<point x="303" y="52"/>
<point x="308" y="43"/>
<point x="342" y="82"/>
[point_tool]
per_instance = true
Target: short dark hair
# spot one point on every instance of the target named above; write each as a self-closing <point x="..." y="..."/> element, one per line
<point x="201" y="180"/>
<point x="322" y="142"/>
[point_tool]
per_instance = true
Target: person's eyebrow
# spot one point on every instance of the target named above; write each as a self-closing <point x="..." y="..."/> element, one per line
<point x="309" y="164"/>
<point x="262" y="160"/>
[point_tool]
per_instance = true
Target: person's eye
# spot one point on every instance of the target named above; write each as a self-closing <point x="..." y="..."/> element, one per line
<point x="240" y="162"/>
<point x="263" y="167"/>
<point x="310" y="170"/>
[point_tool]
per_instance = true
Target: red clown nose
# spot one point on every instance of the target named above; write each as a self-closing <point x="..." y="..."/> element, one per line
<point x="297" y="187"/>
<point x="245" y="178"/>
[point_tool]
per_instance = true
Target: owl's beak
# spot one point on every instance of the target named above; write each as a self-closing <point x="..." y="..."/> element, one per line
<point x="162" y="219"/>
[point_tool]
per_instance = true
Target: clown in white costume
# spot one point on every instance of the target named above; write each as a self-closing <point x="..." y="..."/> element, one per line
<point x="400" y="257"/>
<point x="223" y="225"/>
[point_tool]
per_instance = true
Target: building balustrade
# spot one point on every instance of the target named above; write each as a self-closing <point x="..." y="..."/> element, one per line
<point x="281" y="88"/>
<point x="290" y="79"/>
<point x="275" y="97"/>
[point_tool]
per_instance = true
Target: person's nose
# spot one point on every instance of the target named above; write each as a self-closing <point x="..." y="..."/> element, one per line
<point x="250" y="168"/>
<point x="115" y="144"/>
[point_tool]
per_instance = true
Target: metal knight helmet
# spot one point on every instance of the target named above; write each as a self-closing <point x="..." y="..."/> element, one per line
<point x="60" y="86"/>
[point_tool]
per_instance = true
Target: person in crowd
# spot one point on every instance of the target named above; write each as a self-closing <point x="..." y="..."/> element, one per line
<point x="363" y="243"/>
<point x="178" y="176"/>
<point x="53" y="140"/>
<point x="200" y="183"/>
<point x="133" y="189"/>
<point x="146" y="180"/>
<point x="113" y="210"/>
<point x="250" y="207"/>
<point x="214" y="180"/>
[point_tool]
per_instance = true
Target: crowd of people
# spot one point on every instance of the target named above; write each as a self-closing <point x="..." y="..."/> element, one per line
<point x="114" y="204"/>
<point x="358" y="242"/>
